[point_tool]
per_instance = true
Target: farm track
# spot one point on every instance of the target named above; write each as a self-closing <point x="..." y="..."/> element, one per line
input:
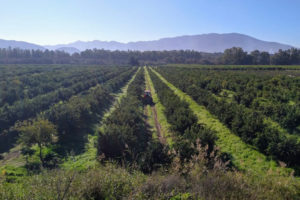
<point x="245" y="157"/>
<point x="161" y="124"/>
<point x="157" y="125"/>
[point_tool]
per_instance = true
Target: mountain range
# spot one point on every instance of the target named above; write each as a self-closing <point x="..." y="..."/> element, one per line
<point x="19" y="44"/>
<point x="210" y="43"/>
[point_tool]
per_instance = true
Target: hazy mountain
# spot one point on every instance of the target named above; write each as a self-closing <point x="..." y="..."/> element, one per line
<point x="81" y="45"/>
<point x="69" y="50"/>
<point x="212" y="42"/>
<point x="19" y="44"/>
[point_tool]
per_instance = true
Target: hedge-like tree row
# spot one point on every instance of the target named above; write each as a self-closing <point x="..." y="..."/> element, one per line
<point x="20" y="70"/>
<point x="125" y="136"/>
<point x="246" y="123"/>
<point x="18" y="88"/>
<point x="274" y="93"/>
<point x="76" y="116"/>
<point x="184" y="124"/>
<point x="28" y="108"/>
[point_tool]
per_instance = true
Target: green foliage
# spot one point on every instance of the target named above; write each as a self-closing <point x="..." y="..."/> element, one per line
<point x="112" y="182"/>
<point x="112" y="77"/>
<point x="40" y="132"/>
<point x="248" y="124"/>
<point x="165" y="126"/>
<point x="182" y="122"/>
<point x="125" y="136"/>
<point x="244" y="156"/>
<point x="233" y="55"/>
<point x="195" y="170"/>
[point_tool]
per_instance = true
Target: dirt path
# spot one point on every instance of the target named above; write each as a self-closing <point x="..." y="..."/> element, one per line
<point x="245" y="157"/>
<point x="157" y="125"/>
<point x="154" y="116"/>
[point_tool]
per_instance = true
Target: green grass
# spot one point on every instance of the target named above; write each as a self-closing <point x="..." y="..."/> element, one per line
<point x="85" y="160"/>
<point x="119" y="96"/>
<point x="148" y="112"/>
<point x="267" y="120"/>
<point x="245" y="157"/>
<point x="277" y="126"/>
<point x="165" y="126"/>
<point x="151" y="122"/>
<point x="13" y="158"/>
<point x="88" y="159"/>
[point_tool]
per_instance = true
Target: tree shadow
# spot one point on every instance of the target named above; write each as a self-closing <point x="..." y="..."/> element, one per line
<point x="8" y="140"/>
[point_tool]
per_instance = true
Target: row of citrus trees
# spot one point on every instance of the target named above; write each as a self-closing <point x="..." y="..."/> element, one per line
<point x="126" y="137"/>
<point x="274" y="93"/>
<point x="187" y="132"/>
<point x="27" y="86"/>
<point x="72" y="120"/>
<point x="244" y="122"/>
<point x="27" y="108"/>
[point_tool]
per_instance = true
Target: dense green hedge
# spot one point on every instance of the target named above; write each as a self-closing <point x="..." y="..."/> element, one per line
<point x="184" y="124"/>
<point x="126" y="137"/>
<point x="74" y="115"/>
<point x="246" y="123"/>
<point x="27" y="108"/>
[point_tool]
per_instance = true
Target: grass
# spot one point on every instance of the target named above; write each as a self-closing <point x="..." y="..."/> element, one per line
<point x="267" y="120"/>
<point x="245" y="157"/>
<point x="85" y="160"/>
<point x="13" y="162"/>
<point x="88" y="159"/>
<point x="13" y="158"/>
<point x="151" y="121"/>
<point x="149" y="114"/>
<point x="165" y="126"/>
<point x="119" y="96"/>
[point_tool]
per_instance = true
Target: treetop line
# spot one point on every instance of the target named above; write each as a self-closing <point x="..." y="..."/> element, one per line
<point x="232" y="56"/>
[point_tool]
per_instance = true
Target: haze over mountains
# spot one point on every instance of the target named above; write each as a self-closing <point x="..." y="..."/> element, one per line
<point x="19" y="44"/>
<point x="210" y="43"/>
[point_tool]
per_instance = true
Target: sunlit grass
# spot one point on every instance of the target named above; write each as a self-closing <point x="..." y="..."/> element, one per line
<point x="88" y="159"/>
<point x="245" y="157"/>
<point x="165" y="126"/>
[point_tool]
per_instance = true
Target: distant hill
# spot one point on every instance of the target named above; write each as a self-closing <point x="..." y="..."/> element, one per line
<point x="210" y="43"/>
<point x="69" y="50"/>
<point x="19" y="44"/>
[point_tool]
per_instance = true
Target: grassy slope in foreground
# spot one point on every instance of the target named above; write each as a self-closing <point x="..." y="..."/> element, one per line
<point x="245" y="157"/>
<point x="88" y="158"/>
<point x="165" y="126"/>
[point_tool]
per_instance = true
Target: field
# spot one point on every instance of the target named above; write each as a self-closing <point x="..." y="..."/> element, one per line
<point x="206" y="132"/>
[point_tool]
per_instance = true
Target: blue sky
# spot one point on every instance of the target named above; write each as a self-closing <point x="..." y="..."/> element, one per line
<point x="63" y="21"/>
